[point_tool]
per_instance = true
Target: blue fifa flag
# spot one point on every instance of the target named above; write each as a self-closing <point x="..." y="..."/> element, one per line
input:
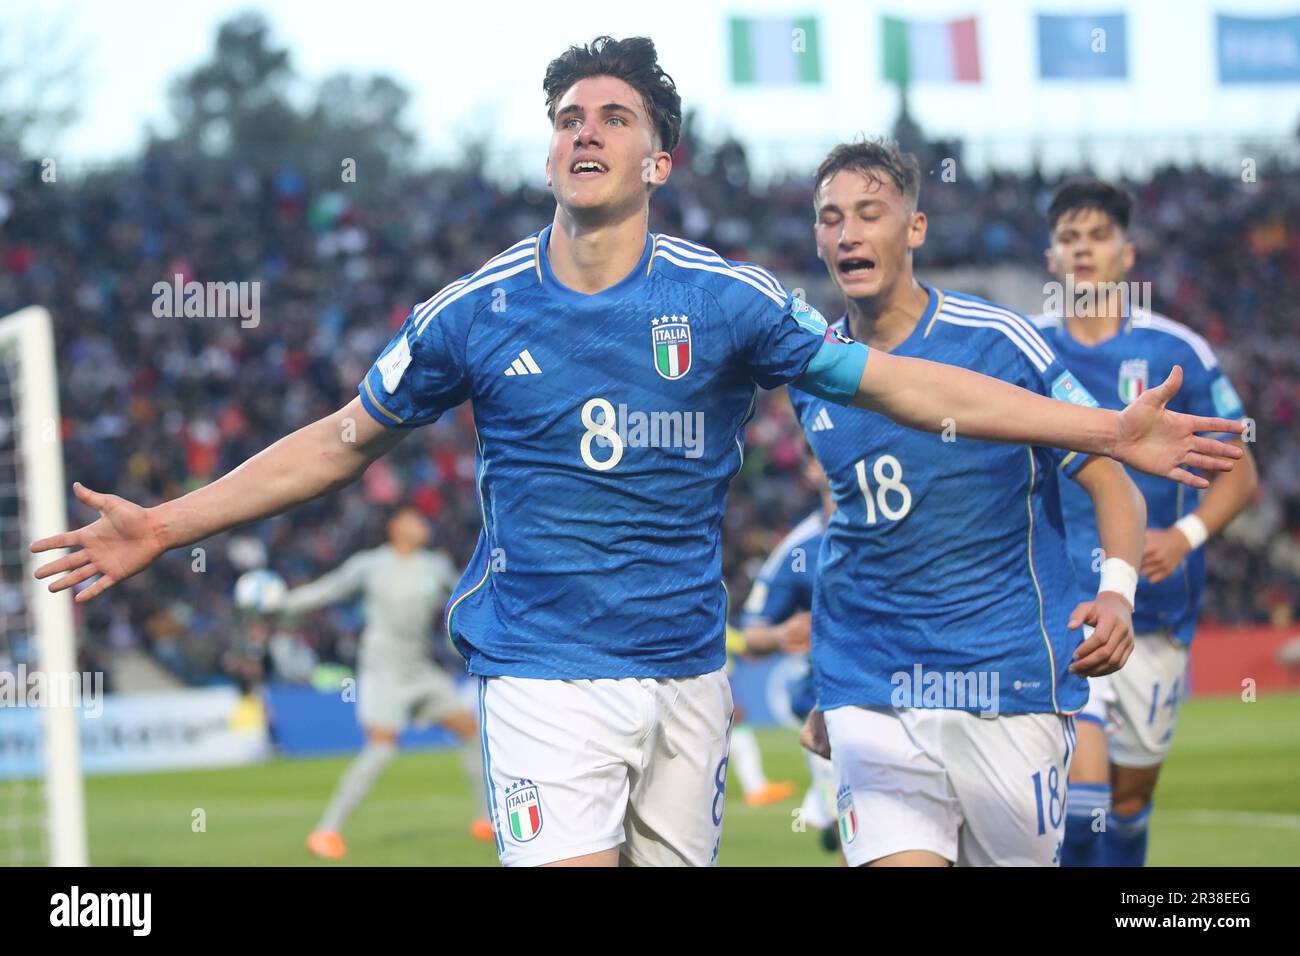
<point x="1082" y="47"/>
<point x="1258" y="49"/>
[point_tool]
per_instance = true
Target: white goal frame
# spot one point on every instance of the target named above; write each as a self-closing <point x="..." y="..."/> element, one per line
<point x="40" y="451"/>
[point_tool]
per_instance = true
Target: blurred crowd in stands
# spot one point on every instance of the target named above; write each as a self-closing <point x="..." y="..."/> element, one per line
<point x="154" y="407"/>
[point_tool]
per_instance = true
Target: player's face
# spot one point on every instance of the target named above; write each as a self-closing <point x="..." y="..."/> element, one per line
<point x="1090" y="246"/>
<point x="604" y="154"/>
<point x="866" y="232"/>
<point x="409" y="529"/>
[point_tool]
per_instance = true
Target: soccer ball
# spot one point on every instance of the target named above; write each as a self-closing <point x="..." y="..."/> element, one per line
<point x="260" y="591"/>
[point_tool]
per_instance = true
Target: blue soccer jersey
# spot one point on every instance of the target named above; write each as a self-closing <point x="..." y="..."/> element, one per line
<point x="609" y="426"/>
<point x="785" y="583"/>
<point x="784" y="588"/>
<point x="1117" y="371"/>
<point x="944" y="578"/>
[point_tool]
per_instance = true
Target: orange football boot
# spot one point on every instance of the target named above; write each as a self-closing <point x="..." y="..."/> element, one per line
<point x="327" y="844"/>
<point x="770" y="792"/>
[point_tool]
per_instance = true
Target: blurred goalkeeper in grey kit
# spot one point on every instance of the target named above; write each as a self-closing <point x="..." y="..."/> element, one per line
<point x="403" y="585"/>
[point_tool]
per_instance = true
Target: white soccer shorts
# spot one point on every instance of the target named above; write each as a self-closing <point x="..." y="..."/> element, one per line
<point x="1101" y="698"/>
<point x="579" y="766"/>
<point x="1148" y="690"/>
<point x="976" y="791"/>
<point x="389" y="697"/>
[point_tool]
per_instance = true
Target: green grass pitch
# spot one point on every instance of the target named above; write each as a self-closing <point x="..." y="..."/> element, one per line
<point x="1230" y="795"/>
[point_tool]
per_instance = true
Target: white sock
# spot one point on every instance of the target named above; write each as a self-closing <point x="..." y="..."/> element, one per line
<point x="356" y="783"/>
<point x="747" y="759"/>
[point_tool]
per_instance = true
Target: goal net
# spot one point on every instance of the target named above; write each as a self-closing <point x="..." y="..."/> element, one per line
<point x="42" y="817"/>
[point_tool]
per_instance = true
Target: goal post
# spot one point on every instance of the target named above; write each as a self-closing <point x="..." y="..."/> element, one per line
<point x="32" y="506"/>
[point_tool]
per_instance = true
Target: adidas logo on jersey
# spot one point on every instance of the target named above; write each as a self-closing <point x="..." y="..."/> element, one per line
<point x="823" y="421"/>
<point x="524" y="365"/>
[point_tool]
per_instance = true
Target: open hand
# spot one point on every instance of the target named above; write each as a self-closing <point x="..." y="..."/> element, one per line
<point x="123" y="541"/>
<point x="1160" y="442"/>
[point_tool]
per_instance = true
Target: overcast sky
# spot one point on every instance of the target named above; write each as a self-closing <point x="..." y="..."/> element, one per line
<point x="475" y="69"/>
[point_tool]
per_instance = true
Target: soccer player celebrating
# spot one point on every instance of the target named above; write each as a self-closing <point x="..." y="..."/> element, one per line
<point x="1118" y="348"/>
<point x="778" y="617"/>
<point x="611" y="373"/>
<point x="944" y="661"/>
<point x="403" y="585"/>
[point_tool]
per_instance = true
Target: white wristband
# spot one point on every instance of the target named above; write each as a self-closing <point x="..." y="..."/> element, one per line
<point x="1193" y="529"/>
<point x="1121" y="577"/>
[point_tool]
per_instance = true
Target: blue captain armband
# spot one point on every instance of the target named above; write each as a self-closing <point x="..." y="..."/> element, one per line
<point x="835" y="371"/>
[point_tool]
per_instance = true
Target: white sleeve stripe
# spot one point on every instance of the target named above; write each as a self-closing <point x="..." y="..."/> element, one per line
<point x="1015" y="331"/>
<point x="727" y="271"/>
<point x="510" y="255"/>
<point x="751" y="267"/>
<point x="451" y="287"/>
<point x="505" y="260"/>
<point x="1010" y="314"/>
<point x="807" y="528"/>
<point x="1002" y="327"/>
<point x="1177" y="330"/>
<point x="1032" y="333"/>
<point x="1045" y="321"/>
<point x="470" y="287"/>
<point x="759" y="274"/>
<point x="491" y="263"/>
<point x="453" y="290"/>
<point x="771" y="564"/>
<point x="689" y="244"/>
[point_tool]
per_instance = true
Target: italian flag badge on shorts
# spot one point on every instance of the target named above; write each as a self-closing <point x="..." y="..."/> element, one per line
<point x="524" y="810"/>
<point x="848" y="816"/>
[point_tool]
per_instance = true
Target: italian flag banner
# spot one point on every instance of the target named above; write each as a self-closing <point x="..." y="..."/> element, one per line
<point x="775" y="50"/>
<point x="931" y="51"/>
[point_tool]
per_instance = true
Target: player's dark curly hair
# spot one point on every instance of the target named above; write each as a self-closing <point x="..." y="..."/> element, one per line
<point x="1109" y="198"/>
<point x="872" y="158"/>
<point x="632" y="60"/>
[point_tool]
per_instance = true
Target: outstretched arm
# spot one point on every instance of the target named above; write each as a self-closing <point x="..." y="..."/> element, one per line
<point x="1229" y="495"/>
<point x="330" y="588"/>
<point x="126" y="538"/>
<point x="793" y="635"/>
<point x="927" y="395"/>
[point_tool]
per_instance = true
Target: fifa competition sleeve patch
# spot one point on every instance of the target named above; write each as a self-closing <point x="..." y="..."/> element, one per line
<point x="807" y="317"/>
<point x="1227" y="403"/>
<point x="393" y="365"/>
<point x="1067" y="389"/>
